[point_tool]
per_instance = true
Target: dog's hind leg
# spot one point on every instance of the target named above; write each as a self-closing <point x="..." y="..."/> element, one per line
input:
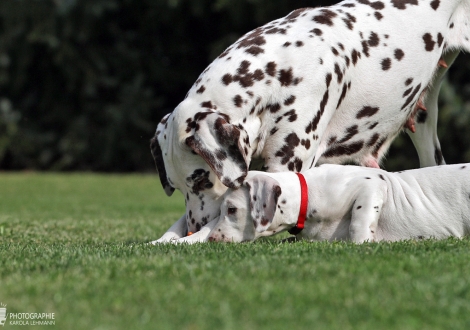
<point x="366" y="210"/>
<point x="425" y="138"/>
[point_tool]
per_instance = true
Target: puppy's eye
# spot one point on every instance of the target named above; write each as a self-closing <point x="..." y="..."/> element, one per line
<point x="232" y="210"/>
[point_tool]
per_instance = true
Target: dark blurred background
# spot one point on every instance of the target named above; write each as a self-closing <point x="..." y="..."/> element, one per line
<point x="83" y="83"/>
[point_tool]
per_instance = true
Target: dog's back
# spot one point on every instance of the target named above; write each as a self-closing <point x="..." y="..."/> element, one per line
<point x="428" y="202"/>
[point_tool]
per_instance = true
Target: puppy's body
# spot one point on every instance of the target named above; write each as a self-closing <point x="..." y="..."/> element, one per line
<point x="351" y="203"/>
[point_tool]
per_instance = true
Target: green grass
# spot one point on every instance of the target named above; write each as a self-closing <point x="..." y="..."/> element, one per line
<point x="75" y="245"/>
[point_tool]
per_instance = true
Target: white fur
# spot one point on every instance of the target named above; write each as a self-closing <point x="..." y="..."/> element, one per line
<point x="358" y="204"/>
<point x="366" y="83"/>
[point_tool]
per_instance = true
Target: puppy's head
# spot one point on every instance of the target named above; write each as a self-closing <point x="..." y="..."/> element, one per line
<point x="248" y="212"/>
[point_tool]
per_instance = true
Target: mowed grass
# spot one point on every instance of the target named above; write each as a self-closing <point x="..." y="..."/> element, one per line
<point x="74" y="245"/>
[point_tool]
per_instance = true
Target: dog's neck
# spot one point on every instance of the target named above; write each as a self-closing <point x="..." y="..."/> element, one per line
<point x="288" y="205"/>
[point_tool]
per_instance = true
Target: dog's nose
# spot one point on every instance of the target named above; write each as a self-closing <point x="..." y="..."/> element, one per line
<point x="212" y="239"/>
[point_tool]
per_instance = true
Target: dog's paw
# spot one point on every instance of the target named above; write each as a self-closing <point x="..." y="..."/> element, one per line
<point x="166" y="239"/>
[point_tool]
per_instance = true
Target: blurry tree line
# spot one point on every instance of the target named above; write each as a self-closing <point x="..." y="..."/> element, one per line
<point x="83" y="83"/>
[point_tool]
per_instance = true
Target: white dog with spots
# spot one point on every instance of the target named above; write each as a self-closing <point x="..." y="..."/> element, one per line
<point x="324" y="85"/>
<point x="350" y="203"/>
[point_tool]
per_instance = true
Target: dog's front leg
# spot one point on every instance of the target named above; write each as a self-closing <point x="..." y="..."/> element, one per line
<point x="178" y="230"/>
<point x="365" y="216"/>
<point x="200" y="236"/>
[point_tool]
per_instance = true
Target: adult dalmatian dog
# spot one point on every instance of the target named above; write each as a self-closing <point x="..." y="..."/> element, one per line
<point x="349" y="203"/>
<point x="321" y="85"/>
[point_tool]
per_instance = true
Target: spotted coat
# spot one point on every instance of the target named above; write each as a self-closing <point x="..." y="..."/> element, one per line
<point x="333" y="84"/>
<point x="352" y="203"/>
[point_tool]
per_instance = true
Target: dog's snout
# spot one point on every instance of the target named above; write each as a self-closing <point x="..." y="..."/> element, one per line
<point x="212" y="239"/>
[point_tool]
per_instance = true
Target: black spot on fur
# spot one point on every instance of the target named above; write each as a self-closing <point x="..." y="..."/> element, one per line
<point x="287" y="151"/>
<point x="428" y="42"/>
<point x="440" y="39"/>
<point x="373" y="140"/>
<point x="411" y="97"/>
<point x="350" y="132"/>
<point x="365" y="48"/>
<point x="354" y="56"/>
<point x="200" y="181"/>
<point x="344" y="149"/>
<point x="339" y="73"/>
<point x="367" y="111"/>
<point x="407" y="92"/>
<point x="317" y="32"/>
<point x="399" y="54"/>
<point x="374" y="39"/>
<point x="312" y="126"/>
<point x="422" y="116"/>
<point x="271" y="69"/>
<point x="238" y="101"/>
<point x="386" y="64"/>
<point x="201" y="89"/>
<point x="349" y="21"/>
<point x="289" y="101"/>
<point x="401" y="4"/>
<point x="343" y="95"/>
<point x="326" y="17"/>
<point x="438" y="156"/>
<point x="377" y="5"/>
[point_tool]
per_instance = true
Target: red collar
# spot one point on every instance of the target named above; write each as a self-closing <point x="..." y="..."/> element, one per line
<point x="303" y="206"/>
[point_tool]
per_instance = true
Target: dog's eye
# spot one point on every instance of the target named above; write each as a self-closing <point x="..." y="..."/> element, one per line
<point x="232" y="210"/>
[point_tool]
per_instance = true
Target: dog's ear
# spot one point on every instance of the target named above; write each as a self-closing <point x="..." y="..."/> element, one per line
<point x="264" y="194"/>
<point x="158" y="157"/>
<point x="218" y="142"/>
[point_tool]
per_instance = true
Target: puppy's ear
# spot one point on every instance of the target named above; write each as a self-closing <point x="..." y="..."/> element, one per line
<point x="264" y="194"/>
<point x="218" y="142"/>
<point x="158" y="158"/>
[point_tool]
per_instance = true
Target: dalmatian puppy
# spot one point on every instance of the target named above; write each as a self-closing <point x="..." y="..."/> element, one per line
<point x="349" y="203"/>
<point x="321" y="85"/>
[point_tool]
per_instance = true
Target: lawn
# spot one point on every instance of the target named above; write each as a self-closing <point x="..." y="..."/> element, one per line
<point x="74" y="245"/>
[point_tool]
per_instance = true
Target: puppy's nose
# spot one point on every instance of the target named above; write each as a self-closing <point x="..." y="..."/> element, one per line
<point x="212" y="239"/>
